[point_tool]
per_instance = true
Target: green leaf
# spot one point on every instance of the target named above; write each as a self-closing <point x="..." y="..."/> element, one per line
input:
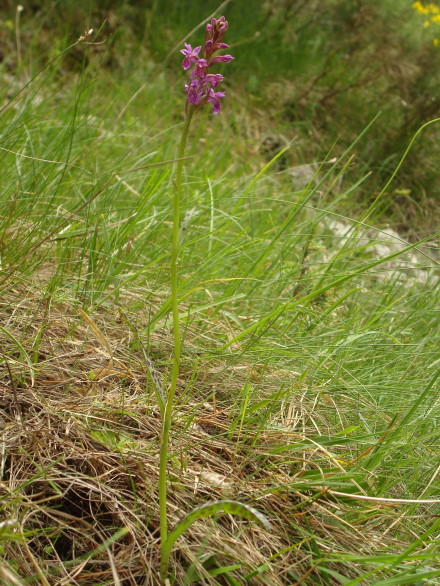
<point x="348" y="430"/>
<point x="409" y="578"/>
<point x="224" y="570"/>
<point x="209" y="510"/>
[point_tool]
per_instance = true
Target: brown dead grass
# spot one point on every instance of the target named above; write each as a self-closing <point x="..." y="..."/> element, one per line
<point x="79" y="461"/>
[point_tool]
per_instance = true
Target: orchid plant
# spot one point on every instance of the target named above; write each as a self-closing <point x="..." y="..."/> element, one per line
<point x="200" y="90"/>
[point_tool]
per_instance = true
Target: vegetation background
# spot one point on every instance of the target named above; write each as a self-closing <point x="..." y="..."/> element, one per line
<point x="310" y="380"/>
<point x="312" y="73"/>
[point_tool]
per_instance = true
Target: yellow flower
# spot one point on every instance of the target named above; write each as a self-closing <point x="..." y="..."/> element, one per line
<point x="435" y="42"/>
<point x="421" y="8"/>
<point x="426" y="8"/>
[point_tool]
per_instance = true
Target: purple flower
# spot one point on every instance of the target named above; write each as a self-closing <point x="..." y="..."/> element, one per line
<point x="214" y="100"/>
<point x="221" y="59"/>
<point x="203" y="83"/>
<point x="194" y="91"/>
<point x="214" y="78"/>
<point x="191" y="55"/>
<point x="200" y="69"/>
<point x="211" y="47"/>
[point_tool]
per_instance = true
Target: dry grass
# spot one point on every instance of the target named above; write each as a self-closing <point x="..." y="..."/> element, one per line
<point x="80" y="455"/>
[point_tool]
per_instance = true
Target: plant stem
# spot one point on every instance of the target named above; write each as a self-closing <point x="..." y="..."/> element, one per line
<point x="166" y="423"/>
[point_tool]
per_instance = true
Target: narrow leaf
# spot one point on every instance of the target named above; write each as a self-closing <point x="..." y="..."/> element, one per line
<point x="209" y="510"/>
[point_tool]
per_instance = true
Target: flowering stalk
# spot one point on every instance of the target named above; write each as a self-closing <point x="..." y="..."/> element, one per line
<point x="199" y="91"/>
<point x="166" y="424"/>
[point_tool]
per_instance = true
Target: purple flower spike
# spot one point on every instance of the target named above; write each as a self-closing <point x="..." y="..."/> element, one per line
<point x="201" y="89"/>
<point x="214" y="100"/>
<point x="191" y="55"/>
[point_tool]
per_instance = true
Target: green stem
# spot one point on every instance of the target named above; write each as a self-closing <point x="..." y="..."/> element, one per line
<point x="166" y="423"/>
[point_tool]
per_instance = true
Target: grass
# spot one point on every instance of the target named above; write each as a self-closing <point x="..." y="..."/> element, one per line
<point x="309" y="369"/>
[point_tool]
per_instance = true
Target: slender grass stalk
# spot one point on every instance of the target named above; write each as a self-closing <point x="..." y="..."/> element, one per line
<point x="18" y="12"/>
<point x="166" y="424"/>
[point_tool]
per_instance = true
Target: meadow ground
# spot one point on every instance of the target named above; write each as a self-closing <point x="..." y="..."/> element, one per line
<point x="308" y="386"/>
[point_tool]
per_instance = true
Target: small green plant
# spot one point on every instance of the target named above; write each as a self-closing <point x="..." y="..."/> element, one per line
<point x="200" y="91"/>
